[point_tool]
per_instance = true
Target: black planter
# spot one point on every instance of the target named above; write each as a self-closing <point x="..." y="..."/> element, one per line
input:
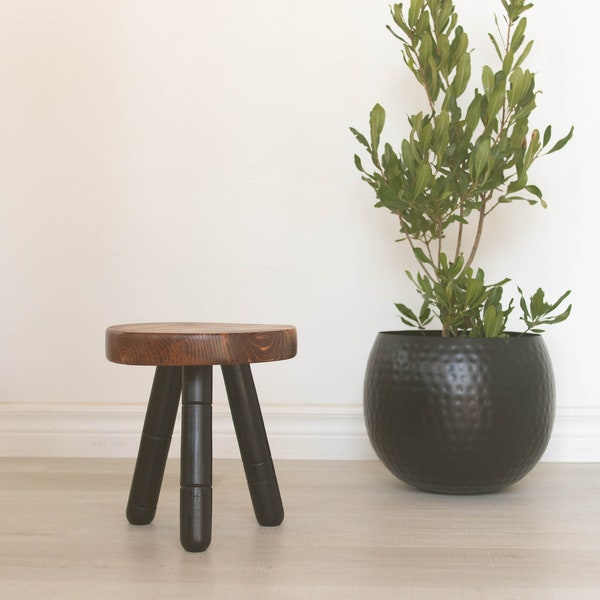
<point x="459" y="415"/>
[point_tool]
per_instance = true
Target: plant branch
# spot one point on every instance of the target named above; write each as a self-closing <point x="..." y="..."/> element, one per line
<point x="412" y="245"/>
<point x="491" y="209"/>
<point x="439" y="239"/>
<point x="428" y="246"/>
<point x="421" y="71"/>
<point x="461" y="226"/>
<point x="484" y="200"/>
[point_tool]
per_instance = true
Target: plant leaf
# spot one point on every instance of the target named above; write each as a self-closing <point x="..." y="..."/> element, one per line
<point x="463" y="74"/>
<point x="361" y="138"/>
<point x="482" y="154"/>
<point x="557" y="303"/>
<point x="496" y="46"/>
<point x="533" y="189"/>
<point x="423" y="177"/>
<point x="474" y="289"/>
<point x="524" y="54"/>
<point x="562" y="143"/>
<point x="358" y="163"/>
<point x="421" y="256"/>
<point x="487" y="78"/>
<point x="407" y="313"/>
<point x="492" y="322"/>
<point x="547" y="135"/>
<point x="376" y="122"/>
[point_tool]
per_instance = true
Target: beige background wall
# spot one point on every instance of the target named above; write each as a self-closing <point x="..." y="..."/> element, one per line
<point x="191" y="160"/>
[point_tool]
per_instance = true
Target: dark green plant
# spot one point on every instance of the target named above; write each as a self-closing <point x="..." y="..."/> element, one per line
<point x="461" y="161"/>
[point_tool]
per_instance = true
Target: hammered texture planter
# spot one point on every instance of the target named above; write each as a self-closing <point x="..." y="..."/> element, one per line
<point x="459" y="415"/>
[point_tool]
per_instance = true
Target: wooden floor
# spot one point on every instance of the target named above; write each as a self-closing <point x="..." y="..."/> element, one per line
<point x="351" y="531"/>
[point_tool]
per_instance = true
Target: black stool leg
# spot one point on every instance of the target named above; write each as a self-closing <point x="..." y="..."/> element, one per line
<point x="195" y="508"/>
<point x="154" y="445"/>
<point x="254" y="447"/>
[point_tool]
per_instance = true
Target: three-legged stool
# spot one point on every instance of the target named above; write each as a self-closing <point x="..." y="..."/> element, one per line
<point x="184" y="354"/>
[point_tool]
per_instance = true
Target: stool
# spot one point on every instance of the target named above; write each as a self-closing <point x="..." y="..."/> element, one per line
<point x="183" y="354"/>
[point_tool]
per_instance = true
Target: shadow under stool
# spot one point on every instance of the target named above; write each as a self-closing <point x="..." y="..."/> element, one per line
<point x="184" y="354"/>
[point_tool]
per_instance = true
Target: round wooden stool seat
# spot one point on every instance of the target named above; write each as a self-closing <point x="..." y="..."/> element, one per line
<point x="190" y="344"/>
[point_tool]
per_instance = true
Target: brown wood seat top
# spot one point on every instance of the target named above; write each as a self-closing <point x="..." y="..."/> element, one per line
<point x="188" y="344"/>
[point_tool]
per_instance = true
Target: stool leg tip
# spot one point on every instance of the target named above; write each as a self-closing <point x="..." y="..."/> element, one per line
<point x="137" y="515"/>
<point x="195" y="514"/>
<point x="270" y="521"/>
<point x="271" y="518"/>
<point x="266" y="500"/>
<point x="195" y="545"/>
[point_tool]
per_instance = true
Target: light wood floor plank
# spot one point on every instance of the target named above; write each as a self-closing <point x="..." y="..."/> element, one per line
<point x="351" y="531"/>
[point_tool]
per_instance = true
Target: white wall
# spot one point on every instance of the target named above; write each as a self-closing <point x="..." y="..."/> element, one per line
<point x="189" y="160"/>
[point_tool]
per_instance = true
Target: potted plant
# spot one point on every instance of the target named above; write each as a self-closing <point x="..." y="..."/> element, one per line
<point x="467" y="408"/>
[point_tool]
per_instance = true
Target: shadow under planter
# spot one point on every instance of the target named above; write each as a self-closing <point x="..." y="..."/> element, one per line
<point x="459" y="415"/>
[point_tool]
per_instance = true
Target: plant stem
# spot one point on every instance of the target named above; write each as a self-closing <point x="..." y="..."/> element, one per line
<point x="460" y="233"/>
<point x="423" y="82"/>
<point x="439" y="238"/>
<point x="429" y="253"/>
<point x="412" y="245"/>
<point x="484" y="200"/>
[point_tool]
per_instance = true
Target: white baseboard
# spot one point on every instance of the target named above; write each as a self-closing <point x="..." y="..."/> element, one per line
<point x="314" y="432"/>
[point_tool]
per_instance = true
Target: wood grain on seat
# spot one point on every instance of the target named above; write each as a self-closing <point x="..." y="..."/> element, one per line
<point x="188" y="344"/>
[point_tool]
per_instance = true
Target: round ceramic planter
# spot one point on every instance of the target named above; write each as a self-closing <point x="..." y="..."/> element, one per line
<point x="459" y="415"/>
